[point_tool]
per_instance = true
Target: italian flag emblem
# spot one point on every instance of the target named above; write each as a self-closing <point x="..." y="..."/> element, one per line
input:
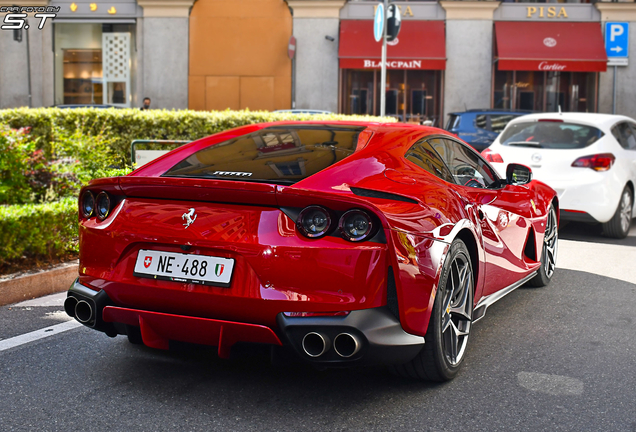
<point x="218" y="270"/>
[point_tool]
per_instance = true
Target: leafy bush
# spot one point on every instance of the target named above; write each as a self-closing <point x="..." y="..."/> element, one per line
<point x="38" y="231"/>
<point x="28" y="176"/>
<point x="121" y="126"/>
<point x="79" y="157"/>
<point x="13" y="166"/>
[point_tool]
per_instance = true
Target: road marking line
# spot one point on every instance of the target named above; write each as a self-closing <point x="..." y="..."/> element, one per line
<point x="13" y="342"/>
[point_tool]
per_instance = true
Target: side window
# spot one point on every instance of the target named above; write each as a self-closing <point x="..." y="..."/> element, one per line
<point x="625" y="135"/>
<point x="466" y="167"/>
<point x="498" y="122"/>
<point x="423" y="155"/>
<point x="617" y="135"/>
<point x="481" y="121"/>
<point x="630" y="134"/>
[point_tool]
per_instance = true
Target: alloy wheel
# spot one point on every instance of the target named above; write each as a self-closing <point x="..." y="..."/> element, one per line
<point x="626" y="210"/>
<point x="457" y="312"/>
<point x="550" y="244"/>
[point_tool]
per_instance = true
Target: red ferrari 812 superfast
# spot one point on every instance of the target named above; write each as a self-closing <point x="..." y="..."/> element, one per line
<point x="348" y="243"/>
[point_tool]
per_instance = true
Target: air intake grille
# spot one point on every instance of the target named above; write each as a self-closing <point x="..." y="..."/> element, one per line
<point x="391" y="295"/>
<point x="384" y="195"/>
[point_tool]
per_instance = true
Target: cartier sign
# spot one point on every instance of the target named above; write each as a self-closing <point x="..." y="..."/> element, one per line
<point x="547" y="66"/>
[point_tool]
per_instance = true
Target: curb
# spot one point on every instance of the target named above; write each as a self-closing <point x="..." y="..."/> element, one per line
<point x="39" y="284"/>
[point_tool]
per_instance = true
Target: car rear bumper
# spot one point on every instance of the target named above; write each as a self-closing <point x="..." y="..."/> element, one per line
<point x="363" y="337"/>
<point x="593" y="197"/>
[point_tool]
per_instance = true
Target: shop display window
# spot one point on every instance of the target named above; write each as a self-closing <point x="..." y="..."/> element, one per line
<point x="93" y="63"/>
<point x="545" y="91"/>
<point x="411" y="95"/>
<point x="82" y="74"/>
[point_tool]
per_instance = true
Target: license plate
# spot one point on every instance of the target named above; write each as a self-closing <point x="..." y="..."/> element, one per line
<point x="185" y="268"/>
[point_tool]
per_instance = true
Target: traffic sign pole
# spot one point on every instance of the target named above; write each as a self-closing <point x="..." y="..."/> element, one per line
<point x="614" y="95"/>
<point x="383" y="64"/>
<point x="617" y="50"/>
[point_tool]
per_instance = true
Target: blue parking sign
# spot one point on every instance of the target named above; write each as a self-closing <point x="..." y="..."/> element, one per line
<point x="617" y="42"/>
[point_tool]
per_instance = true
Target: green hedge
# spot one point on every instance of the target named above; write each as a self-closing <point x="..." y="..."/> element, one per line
<point x="39" y="231"/>
<point x="121" y="126"/>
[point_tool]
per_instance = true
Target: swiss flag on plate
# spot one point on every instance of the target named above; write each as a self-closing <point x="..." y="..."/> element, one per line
<point x="147" y="261"/>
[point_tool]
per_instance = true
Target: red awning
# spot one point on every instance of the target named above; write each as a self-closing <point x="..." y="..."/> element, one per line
<point x="420" y="45"/>
<point x="550" y="46"/>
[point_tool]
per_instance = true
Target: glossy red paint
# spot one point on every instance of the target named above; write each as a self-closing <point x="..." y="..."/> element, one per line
<point x="277" y="269"/>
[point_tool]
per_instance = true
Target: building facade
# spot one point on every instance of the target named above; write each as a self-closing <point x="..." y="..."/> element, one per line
<point x="113" y="52"/>
<point x="457" y="55"/>
<point x="218" y="54"/>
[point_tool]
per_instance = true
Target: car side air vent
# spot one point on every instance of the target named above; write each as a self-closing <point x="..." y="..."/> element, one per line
<point x="530" y="249"/>
<point x="391" y="294"/>
<point x="384" y="195"/>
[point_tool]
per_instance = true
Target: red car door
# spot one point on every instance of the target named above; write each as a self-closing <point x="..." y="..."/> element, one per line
<point x="501" y="212"/>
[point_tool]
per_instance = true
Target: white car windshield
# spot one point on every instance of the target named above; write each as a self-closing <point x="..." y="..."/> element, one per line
<point x="550" y="134"/>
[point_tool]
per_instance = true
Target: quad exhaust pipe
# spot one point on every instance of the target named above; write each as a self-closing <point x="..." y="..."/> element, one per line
<point x="84" y="312"/>
<point x="69" y="306"/>
<point x="346" y="345"/>
<point x="316" y="344"/>
<point x="81" y="310"/>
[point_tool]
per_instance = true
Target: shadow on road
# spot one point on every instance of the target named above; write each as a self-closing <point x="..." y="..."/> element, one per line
<point x="579" y="231"/>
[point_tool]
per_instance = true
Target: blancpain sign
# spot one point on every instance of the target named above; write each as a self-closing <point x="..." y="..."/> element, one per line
<point x="394" y="64"/>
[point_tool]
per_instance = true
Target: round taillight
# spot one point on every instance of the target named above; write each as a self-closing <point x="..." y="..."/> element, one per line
<point x="314" y="221"/>
<point x="356" y="225"/>
<point x="102" y="205"/>
<point x="87" y="204"/>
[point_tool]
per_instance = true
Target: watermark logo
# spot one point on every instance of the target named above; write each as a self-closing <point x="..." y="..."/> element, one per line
<point x="15" y="17"/>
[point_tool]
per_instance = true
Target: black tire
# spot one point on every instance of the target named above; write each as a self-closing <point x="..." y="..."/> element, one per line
<point x="134" y="335"/>
<point x="548" y="252"/>
<point x="618" y="225"/>
<point x="452" y="314"/>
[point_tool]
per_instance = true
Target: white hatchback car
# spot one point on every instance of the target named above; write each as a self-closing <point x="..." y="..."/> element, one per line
<point x="589" y="159"/>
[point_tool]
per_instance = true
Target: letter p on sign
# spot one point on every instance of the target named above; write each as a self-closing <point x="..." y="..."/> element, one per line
<point x="616" y="30"/>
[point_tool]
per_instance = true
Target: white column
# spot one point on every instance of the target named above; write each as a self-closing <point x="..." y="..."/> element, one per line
<point x="469" y="39"/>
<point x="316" y="23"/>
<point x="625" y="75"/>
<point x="163" y="34"/>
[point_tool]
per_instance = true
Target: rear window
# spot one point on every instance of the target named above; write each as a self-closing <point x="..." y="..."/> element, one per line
<point x="282" y="155"/>
<point x="551" y="135"/>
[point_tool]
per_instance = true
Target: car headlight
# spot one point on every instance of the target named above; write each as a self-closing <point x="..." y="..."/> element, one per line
<point x="314" y="221"/>
<point x="103" y="205"/>
<point x="356" y="225"/>
<point x="87" y="204"/>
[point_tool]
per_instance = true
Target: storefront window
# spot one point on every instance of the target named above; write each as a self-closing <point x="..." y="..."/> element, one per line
<point x="360" y="94"/>
<point x="82" y="72"/>
<point x="411" y="95"/>
<point x="545" y="91"/>
<point x="93" y="64"/>
<point x="503" y="89"/>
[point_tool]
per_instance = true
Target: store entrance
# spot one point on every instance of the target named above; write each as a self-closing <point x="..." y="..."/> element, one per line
<point x="94" y="64"/>
<point x="412" y="96"/>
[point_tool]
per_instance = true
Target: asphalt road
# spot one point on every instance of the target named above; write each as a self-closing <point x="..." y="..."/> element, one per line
<point x="556" y="358"/>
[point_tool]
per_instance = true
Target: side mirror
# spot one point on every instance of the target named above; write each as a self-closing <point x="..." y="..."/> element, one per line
<point x="517" y="174"/>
